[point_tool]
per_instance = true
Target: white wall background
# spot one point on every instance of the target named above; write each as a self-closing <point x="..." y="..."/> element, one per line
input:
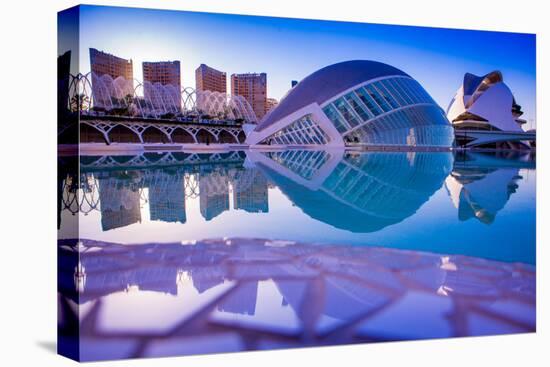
<point x="28" y="166"/>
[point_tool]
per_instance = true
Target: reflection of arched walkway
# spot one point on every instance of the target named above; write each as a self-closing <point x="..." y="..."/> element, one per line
<point x="226" y="138"/>
<point x="89" y="134"/>
<point x="205" y="137"/>
<point x="122" y="159"/>
<point x="182" y="137"/>
<point x="154" y="135"/>
<point x="241" y="137"/>
<point x="122" y="134"/>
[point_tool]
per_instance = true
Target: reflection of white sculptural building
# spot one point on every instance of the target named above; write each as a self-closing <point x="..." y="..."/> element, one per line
<point x="480" y="185"/>
<point x="355" y="102"/>
<point x="486" y="103"/>
<point x="480" y="193"/>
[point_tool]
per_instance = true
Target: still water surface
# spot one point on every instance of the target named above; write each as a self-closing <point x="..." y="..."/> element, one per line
<point x="474" y="204"/>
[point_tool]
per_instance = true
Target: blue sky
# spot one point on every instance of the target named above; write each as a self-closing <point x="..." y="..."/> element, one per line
<point x="288" y="49"/>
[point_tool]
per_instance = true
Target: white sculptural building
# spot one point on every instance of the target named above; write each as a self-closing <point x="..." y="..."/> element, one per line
<point x="486" y="103"/>
<point x="355" y="103"/>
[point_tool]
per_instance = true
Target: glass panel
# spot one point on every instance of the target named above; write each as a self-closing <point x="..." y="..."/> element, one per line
<point x="346" y="112"/>
<point x="365" y="97"/>
<point x="386" y="95"/>
<point x="358" y="106"/>
<point x="335" y="118"/>
<point x="302" y="131"/>
<point x="402" y="89"/>
<point x="418" y="125"/>
<point x="396" y="96"/>
<point x="413" y="91"/>
<point x="378" y="98"/>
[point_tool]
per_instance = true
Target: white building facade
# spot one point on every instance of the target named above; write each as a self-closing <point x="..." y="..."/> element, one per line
<point x="485" y="103"/>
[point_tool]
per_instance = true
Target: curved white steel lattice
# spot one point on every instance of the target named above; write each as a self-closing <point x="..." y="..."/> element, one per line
<point x="224" y="106"/>
<point x="93" y="94"/>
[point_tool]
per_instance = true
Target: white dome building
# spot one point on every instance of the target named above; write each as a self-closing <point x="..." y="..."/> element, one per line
<point x="355" y="103"/>
<point x="485" y="103"/>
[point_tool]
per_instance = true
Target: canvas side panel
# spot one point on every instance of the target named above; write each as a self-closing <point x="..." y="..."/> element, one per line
<point x="68" y="274"/>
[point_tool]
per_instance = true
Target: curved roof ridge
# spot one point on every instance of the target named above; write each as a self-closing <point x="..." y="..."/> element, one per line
<point x="472" y="82"/>
<point x="325" y="83"/>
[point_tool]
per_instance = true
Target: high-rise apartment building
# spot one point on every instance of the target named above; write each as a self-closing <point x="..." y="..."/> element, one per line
<point x="253" y="87"/>
<point x="102" y="63"/>
<point x="207" y="78"/>
<point x="167" y="74"/>
<point x="271" y="103"/>
<point x="163" y="72"/>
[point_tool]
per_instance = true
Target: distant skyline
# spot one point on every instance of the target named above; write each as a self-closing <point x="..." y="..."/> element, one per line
<point x="290" y="49"/>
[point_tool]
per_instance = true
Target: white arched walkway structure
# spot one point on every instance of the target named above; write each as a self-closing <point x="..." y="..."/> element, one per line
<point x="168" y="132"/>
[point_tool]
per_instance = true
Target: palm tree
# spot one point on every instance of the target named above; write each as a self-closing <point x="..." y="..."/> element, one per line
<point x="79" y="102"/>
<point x="129" y="99"/>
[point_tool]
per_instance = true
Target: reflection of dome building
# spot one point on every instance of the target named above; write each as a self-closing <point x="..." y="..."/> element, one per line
<point x="355" y="102"/>
<point x="363" y="193"/>
<point x="485" y="103"/>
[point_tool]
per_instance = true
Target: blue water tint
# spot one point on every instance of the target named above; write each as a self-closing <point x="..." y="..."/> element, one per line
<point x="472" y="204"/>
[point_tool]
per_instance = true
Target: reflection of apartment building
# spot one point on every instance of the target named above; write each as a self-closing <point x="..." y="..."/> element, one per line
<point x="167" y="200"/>
<point x="206" y="277"/>
<point x="111" y="219"/>
<point x="214" y="195"/>
<point x="242" y="301"/>
<point x="119" y="204"/>
<point x="207" y="78"/>
<point x="102" y="63"/>
<point x="253" y="87"/>
<point x="250" y="192"/>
